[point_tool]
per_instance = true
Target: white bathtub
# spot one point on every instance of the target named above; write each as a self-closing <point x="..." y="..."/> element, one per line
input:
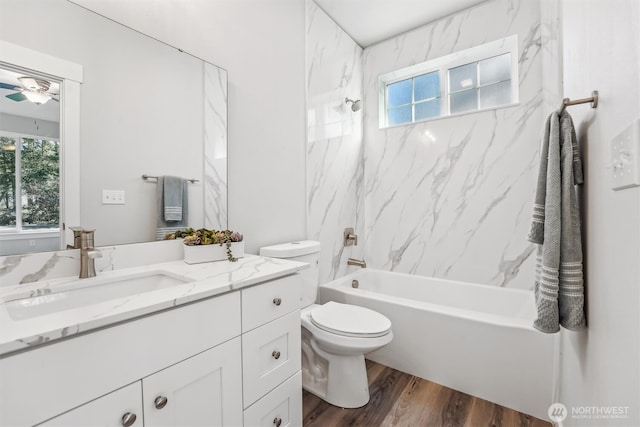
<point x="477" y="339"/>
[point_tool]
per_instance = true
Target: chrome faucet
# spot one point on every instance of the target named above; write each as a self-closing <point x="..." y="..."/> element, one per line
<point x="88" y="254"/>
<point x="357" y="262"/>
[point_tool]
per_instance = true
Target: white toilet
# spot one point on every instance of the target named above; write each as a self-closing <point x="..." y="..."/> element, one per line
<point x="335" y="337"/>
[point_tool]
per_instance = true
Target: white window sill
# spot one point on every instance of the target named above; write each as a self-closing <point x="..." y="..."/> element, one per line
<point x="29" y="234"/>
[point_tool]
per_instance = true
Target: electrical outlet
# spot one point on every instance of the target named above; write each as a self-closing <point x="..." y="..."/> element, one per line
<point x="625" y="156"/>
<point x="113" y="197"/>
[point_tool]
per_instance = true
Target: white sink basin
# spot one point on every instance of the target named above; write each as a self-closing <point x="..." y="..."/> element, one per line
<point x="83" y="292"/>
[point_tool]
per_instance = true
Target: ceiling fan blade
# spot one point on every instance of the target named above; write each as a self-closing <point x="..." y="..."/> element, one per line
<point x="9" y="86"/>
<point x="18" y="96"/>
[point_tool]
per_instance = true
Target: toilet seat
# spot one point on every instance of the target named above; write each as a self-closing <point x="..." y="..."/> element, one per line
<point x="350" y="320"/>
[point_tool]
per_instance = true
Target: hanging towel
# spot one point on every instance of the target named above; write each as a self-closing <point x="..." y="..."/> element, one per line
<point x="555" y="228"/>
<point x="164" y="226"/>
<point x="173" y="191"/>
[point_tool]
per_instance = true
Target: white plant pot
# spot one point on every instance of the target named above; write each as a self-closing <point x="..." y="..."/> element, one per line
<point x="208" y="253"/>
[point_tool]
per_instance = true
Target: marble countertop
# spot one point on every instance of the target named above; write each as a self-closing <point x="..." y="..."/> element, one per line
<point x="205" y="280"/>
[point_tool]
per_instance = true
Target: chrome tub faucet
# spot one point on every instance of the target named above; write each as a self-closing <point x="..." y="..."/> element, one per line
<point x="357" y="262"/>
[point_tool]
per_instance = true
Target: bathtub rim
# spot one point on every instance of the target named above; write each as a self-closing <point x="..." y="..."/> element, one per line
<point x="341" y="284"/>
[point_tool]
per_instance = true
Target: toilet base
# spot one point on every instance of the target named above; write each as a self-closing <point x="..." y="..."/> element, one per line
<point x="340" y="380"/>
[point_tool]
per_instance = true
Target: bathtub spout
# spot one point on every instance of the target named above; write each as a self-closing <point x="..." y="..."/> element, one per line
<point x="357" y="262"/>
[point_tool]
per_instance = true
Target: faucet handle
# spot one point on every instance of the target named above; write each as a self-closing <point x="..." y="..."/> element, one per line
<point x="96" y="253"/>
<point x="350" y="238"/>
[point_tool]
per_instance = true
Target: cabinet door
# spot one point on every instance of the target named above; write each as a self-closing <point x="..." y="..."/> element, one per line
<point x="204" y="390"/>
<point x="122" y="407"/>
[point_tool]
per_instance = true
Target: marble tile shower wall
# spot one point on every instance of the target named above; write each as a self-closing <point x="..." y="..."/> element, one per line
<point x="334" y="141"/>
<point x="451" y="198"/>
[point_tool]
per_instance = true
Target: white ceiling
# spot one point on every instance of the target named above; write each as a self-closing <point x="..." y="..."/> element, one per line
<point x="371" y="21"/>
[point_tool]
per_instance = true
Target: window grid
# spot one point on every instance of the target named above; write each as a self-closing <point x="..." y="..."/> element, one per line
<point x="485" y="98"/>
<point x="413" y="102"/>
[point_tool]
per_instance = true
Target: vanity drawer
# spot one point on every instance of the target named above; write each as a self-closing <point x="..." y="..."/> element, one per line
<point x="270" y="300"/>
<point x="270" y="354"/>
<point x="282" y="407"/>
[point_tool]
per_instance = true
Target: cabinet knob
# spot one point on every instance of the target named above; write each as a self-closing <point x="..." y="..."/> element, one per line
<point x="128" y="419"/>
<point x="276" y="354"/>
<point x="277" y="301"/>
<point x="277" y="421"/>
<point x="160" y="402"/>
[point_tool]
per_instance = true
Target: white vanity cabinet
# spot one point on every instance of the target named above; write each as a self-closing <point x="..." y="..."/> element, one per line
<point x="271" y="355"/>
<point x="228" y="360"/>
<point x="200" y="391"/>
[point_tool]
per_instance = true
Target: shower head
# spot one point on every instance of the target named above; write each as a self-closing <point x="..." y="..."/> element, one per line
<point x="356" y="105"/>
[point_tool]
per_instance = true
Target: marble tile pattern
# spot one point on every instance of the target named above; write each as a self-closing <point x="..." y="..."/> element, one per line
<point x="204" y="280"/>
<point x="452" y="198"/>
<point x="334" y="142"/>
<point x="215" y="147"/>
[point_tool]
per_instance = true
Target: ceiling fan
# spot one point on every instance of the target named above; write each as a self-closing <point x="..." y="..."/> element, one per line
<point x="34" y="89"/>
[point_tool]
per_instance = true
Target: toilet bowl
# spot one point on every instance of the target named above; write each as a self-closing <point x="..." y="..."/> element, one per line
<point x="335" y="336"/>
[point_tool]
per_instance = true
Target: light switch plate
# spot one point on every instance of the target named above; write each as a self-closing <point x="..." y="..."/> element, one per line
<point x="113" y="197"/>
<point x="625" y="153"/>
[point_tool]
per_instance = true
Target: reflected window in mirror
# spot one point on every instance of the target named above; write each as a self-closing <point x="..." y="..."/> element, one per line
<point x="30" y="161"/>
<point x="29" y="184"/>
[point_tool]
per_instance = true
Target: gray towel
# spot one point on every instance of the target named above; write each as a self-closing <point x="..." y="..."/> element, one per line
<point x="173" y="190"/>
<point x="163" y="226"/>
<point x="555" y="227"/>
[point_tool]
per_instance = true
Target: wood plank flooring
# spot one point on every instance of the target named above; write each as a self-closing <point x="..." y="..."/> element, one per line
<point x="402" y="400"/>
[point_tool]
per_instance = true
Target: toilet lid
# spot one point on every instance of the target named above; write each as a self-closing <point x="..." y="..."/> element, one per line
<point x="350" y="320"/>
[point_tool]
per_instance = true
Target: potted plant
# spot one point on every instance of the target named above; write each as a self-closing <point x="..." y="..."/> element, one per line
<point x="204" y="245"/>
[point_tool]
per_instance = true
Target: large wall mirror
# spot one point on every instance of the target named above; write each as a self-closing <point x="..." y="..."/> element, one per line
<point x="145" y="108"/>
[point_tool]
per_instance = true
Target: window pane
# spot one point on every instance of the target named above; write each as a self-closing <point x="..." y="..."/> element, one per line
<point x="426" y="86"/>
<point x="399" y="93"/>
<point x="463" y="101"/>
<point x="7" y="182"/>
<point x="496" y="69"/>
<point x="400" y="115"/>
<point x="496" y="94"/>
<point x="463" y="77"/>
<point x="40" y="183"/>
<point x="428" y="109"/>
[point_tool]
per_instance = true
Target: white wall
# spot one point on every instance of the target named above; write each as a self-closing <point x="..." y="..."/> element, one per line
<point x="600" y="366"/>
<point x="261" y="44"/>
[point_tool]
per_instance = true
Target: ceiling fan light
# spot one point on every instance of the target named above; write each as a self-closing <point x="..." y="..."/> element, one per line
<point x="36" y="97"/>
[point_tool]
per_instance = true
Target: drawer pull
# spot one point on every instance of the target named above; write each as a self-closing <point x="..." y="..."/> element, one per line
<point x="128" y="419"/>
<point x="160" y="402"/>
<point x="277" y="421"/>
<point x="277" y="301"/>
<point x="276" y="354"/>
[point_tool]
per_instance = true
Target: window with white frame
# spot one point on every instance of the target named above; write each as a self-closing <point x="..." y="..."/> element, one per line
<point x="480" y="78"/>
<point x="29" y="183"/>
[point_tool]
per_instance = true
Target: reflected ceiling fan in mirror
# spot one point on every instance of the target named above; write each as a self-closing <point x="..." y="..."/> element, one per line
<point x="35" y="89"/>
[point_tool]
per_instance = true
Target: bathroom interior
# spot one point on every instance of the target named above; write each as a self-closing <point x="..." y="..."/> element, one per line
<point x="370" y="245"/>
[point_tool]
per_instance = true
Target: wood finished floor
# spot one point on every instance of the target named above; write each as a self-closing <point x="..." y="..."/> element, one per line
<point x="402" y="400"/>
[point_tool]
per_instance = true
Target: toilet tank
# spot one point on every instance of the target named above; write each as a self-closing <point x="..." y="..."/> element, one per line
<point x="304" y="251"/>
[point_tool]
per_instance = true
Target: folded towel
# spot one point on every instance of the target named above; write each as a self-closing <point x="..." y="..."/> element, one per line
<point x="173" y="190"/>
<point x="164" y="226"/>
<point x="555" y="227"/>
